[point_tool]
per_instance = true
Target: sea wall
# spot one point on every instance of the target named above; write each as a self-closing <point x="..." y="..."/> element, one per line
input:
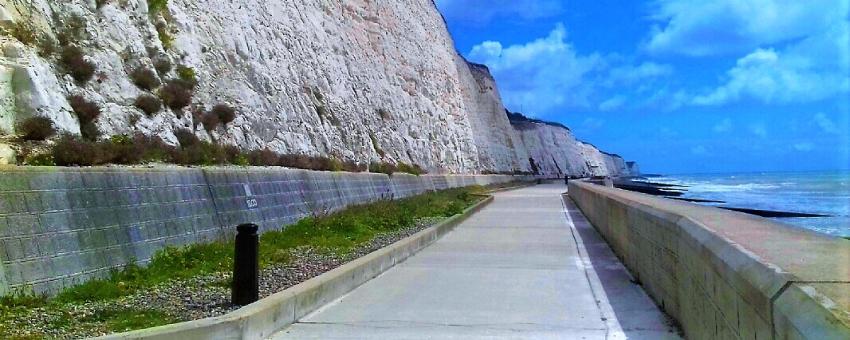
<point x="722" y="274"/>
<point x="63" y="226"/>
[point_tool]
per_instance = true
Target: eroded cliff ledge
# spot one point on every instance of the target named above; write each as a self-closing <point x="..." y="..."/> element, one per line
<point x="359" y="80"/>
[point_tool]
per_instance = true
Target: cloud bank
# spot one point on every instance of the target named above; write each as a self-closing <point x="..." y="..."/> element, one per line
<point x="792" y="51"/>
<point x="548" y="73"/>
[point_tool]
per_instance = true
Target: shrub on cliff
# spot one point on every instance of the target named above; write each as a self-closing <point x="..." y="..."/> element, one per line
<point x="150" y="105"/>
<point x="187" y="74"/>
<point x="210" y="121"/>
<point x="86" y="111"/>
<point x="162" y="65"/>
<point x="90" y="131"/>
<point x="318" y="163"/>
<point x="411" y="169"/>
<point x="165" y="36"/>
<point x="352" y="166"/>
<point x="157" y="6"/>
<point x="73" y="151"/>
<point x="383" y="167"/>
<point x="264" y="157"/>
<point x="186" y="138"/>
<point x="76" y="65"/>
<point x="73" y="30"/>
<point x="144" y="78"/>
<point x="226" y="114"/>
<point x="24" y="31"/>
<point x="198" y="111"/>
<point x="36" y="129"/>
<point x="203" y="153"/>
<point x="176" y="94"/>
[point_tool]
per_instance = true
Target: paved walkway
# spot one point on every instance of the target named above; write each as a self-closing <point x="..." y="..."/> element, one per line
<point x="528" y="266"/>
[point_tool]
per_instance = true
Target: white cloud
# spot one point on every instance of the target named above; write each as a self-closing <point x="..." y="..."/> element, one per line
<point x="699" y="150"/>
<point x="826" y="124"/>
<point x="612" y="104"/>
<point x="547" y="73"/>
<point x="591" y="123"/>
<point x="804" y="146"/>
<point x="759" y="130"/>
<point x="723" y="126"/>
<point x="763" y="75"/>
<point x="481" y="12"/>
<point x="789" y="51"/>
<point x="542" y="74"/>
<point x="667" y="100"/>
<point x="813" y="69"/>
<point x="631" y="74"/>
<point x="701" y="28"/>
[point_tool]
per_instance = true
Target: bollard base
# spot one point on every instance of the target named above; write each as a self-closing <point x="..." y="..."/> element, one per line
<point x="246" y="266"/>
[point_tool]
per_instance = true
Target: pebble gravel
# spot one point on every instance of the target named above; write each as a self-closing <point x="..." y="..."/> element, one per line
<point x="195" y="298"/>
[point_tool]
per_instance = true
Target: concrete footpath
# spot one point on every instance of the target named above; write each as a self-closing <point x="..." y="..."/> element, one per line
<point x="528" y="266"/>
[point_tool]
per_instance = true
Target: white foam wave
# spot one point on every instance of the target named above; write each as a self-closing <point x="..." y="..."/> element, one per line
<point x="711" y="187"/>
<point x="707" y="186"/>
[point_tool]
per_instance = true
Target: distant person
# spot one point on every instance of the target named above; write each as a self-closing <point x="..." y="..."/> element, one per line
<point x="566" y="180"/>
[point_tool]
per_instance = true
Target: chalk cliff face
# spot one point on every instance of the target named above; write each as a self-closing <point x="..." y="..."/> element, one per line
<point x="357" y="79"/>
<point x="556" y="151"/>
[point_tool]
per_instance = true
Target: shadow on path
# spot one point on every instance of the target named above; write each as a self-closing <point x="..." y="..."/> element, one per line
<point x="630" y="312"/>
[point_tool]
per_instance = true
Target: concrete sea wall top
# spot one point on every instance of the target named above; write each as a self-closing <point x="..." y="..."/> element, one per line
<point x="724" y="274"/>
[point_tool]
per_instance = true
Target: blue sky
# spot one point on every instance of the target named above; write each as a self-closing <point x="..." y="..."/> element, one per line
<point x="681" y="86"/>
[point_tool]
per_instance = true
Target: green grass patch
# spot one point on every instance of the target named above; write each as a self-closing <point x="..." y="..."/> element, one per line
<point x="11" y="303"/>
<point x="127" y="320"/>
<point x="336" y="233"/>
<point x="167" y="264"/>
<point x="342" y="232"/>
<point x="339" y="233"/>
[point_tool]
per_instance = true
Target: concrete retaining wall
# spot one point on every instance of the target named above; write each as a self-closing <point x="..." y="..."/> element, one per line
<point x="63" y="226"/>
<point x="723" y="274"/>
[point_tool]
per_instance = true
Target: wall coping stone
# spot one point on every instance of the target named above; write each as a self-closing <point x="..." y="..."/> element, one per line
<point x="799" y="279"/>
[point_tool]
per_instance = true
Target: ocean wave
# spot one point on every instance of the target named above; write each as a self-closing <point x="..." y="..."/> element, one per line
<point x="710" y="187"/>
<point x="695" y="187"/>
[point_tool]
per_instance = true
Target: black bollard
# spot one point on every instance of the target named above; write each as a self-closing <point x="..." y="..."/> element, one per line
<point x="246" y="266"/>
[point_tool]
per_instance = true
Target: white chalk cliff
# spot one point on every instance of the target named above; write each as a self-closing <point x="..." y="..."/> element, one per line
<point x="357" y="79"/>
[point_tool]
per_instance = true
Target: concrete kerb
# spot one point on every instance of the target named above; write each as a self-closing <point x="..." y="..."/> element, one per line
<point x="263" y="318"/>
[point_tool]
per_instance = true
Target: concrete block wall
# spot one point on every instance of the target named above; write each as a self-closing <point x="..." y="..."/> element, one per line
<point x="60" y="227"/>
<point x="723" y="274"/>
<point x="63" y="226"/>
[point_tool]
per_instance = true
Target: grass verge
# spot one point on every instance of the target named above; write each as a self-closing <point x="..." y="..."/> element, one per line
<point x="334" y="233"/>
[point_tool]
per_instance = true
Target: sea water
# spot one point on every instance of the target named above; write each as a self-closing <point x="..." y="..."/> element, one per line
<point x="826" y="193"/>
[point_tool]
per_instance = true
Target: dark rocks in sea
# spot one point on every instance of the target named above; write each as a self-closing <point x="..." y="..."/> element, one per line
<point x="772" y="213"/>
<point x="656" y="189"/>
<point x="695" y="200"/>
<point x="673" y="191"/>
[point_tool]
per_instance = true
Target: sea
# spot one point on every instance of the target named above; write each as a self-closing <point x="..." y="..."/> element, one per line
<point x="825" y="192"/>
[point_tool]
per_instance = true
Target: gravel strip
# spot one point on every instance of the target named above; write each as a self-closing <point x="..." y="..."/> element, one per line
<point x="198" y="297"/>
